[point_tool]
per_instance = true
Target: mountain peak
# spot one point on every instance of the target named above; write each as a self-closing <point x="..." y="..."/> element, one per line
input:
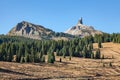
<point x="82" y="30"/>
<point x="80" y="21"/>
<point x="24" y="22"/>
<point x="29" y="30"/>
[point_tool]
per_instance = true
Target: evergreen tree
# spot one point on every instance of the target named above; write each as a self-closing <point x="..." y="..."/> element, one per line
<point x="60" y="53"/>
<point x="57" y="52"/>
<point x="64" y="52"/>
<point x="43" y="59"/>
<point x="91" y="46"/>
<point x="27" y="58"/>
<point x="92" y="55"/>
<point x="10" y="55"/>
<point x="51" y="58"/>
<point x="19" y="55"/>
<point x="98" y="54"/>
<point x="84" y="52"/>
<point x="22" y="60"/>
<point x="3" y="55"/>
<point x="37" y="57"/>
<point x="71" y="52"/>
<point x="13" y="49"/>
<point x="60" y="59"/>
<point x="99" y="44"/>
<point x="77" y="53"/>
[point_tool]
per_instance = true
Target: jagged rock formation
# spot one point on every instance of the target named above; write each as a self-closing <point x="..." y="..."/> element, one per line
<point x="82" y="30"/>
<point x="30" y="30"/>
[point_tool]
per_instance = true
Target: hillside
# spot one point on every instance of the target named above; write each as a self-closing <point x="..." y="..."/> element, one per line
<point x="30" y="30"/>
<point x="77" y="68"/>
<point x="34" y="31"/>
<point x="82" y="30"/>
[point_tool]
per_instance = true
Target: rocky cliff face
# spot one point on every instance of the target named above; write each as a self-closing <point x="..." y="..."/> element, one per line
<point x="29" y="30"/>
<point x="82" y="30"/>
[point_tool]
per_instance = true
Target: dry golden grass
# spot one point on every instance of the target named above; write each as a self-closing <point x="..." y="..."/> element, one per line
<point x="76" y="69"/>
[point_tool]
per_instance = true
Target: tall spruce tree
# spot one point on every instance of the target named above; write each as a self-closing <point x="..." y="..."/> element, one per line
<point x="51" y="56"/>
<point x="99" y="44"/>
<point x="98" y="54"/>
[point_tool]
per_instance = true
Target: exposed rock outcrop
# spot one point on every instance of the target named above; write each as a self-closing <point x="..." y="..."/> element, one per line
<point x="29" y="30"/>
<point x="82" y="30"/>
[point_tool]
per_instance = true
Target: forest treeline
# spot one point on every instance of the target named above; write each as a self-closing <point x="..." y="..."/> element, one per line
<point x="20" y="49"/>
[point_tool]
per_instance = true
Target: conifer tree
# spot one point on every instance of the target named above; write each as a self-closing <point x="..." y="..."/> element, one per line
<point x="57" y="52"/>
<point x="64" y="52"/>
<point x="84" y="52"/>
<point x="37" y="57"/>
<point x="10" y="55"/>
<point x="22" y="60"/>
<point x="99" y="44"/>
<point x="92" y="55"/>
<point x="51" y="58"/>
<point x="43" y="59"/>
<point x="32" y="55"/>
<point x="71" y="52"/>
<point x="60" y="59"/>
<point x="98" y="54"/>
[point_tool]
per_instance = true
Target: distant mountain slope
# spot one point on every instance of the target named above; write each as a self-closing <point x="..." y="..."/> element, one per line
<point x="82" y="30"/>
<point x="34" y="31"/>
<point x="30" y="30"/>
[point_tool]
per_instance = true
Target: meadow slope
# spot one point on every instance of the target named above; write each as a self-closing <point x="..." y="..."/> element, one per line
<point x="77" y="68"/>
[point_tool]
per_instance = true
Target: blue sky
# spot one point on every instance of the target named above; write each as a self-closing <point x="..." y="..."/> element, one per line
<point x="59" y="15"/>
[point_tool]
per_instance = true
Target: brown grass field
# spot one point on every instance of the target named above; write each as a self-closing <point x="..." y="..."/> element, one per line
<point x="76" y="69"/>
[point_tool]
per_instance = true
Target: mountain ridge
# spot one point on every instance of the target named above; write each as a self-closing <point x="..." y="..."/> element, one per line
<point x="82" y="30"/>
<point x="29" y="30"/>
<point x="34" y="31"/>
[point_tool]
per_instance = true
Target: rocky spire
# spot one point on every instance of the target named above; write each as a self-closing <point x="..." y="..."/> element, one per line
<point x="80" y="21"/>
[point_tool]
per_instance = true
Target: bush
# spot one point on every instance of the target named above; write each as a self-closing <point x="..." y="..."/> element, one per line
<point x="60" y="59"/>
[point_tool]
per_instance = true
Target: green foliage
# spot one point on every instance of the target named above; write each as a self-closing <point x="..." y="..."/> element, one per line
<point x="22" y="60"/>
<point x="37" y="58"/>
<point x="99" y="44"/>
<point x="51" y="57"/>
<point x="64" y="52"/>
<point x="29" y="50"/>
<point x="84" y="52"/>
<point x="90" y="46"/>
<point x="43" y="59"/>
<point x="10" y="55"/>
<point x="92" y="55"/>
<point x="98" y="54"/>
<point x="57" y="52"/>
<point x="71" y="51"/>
